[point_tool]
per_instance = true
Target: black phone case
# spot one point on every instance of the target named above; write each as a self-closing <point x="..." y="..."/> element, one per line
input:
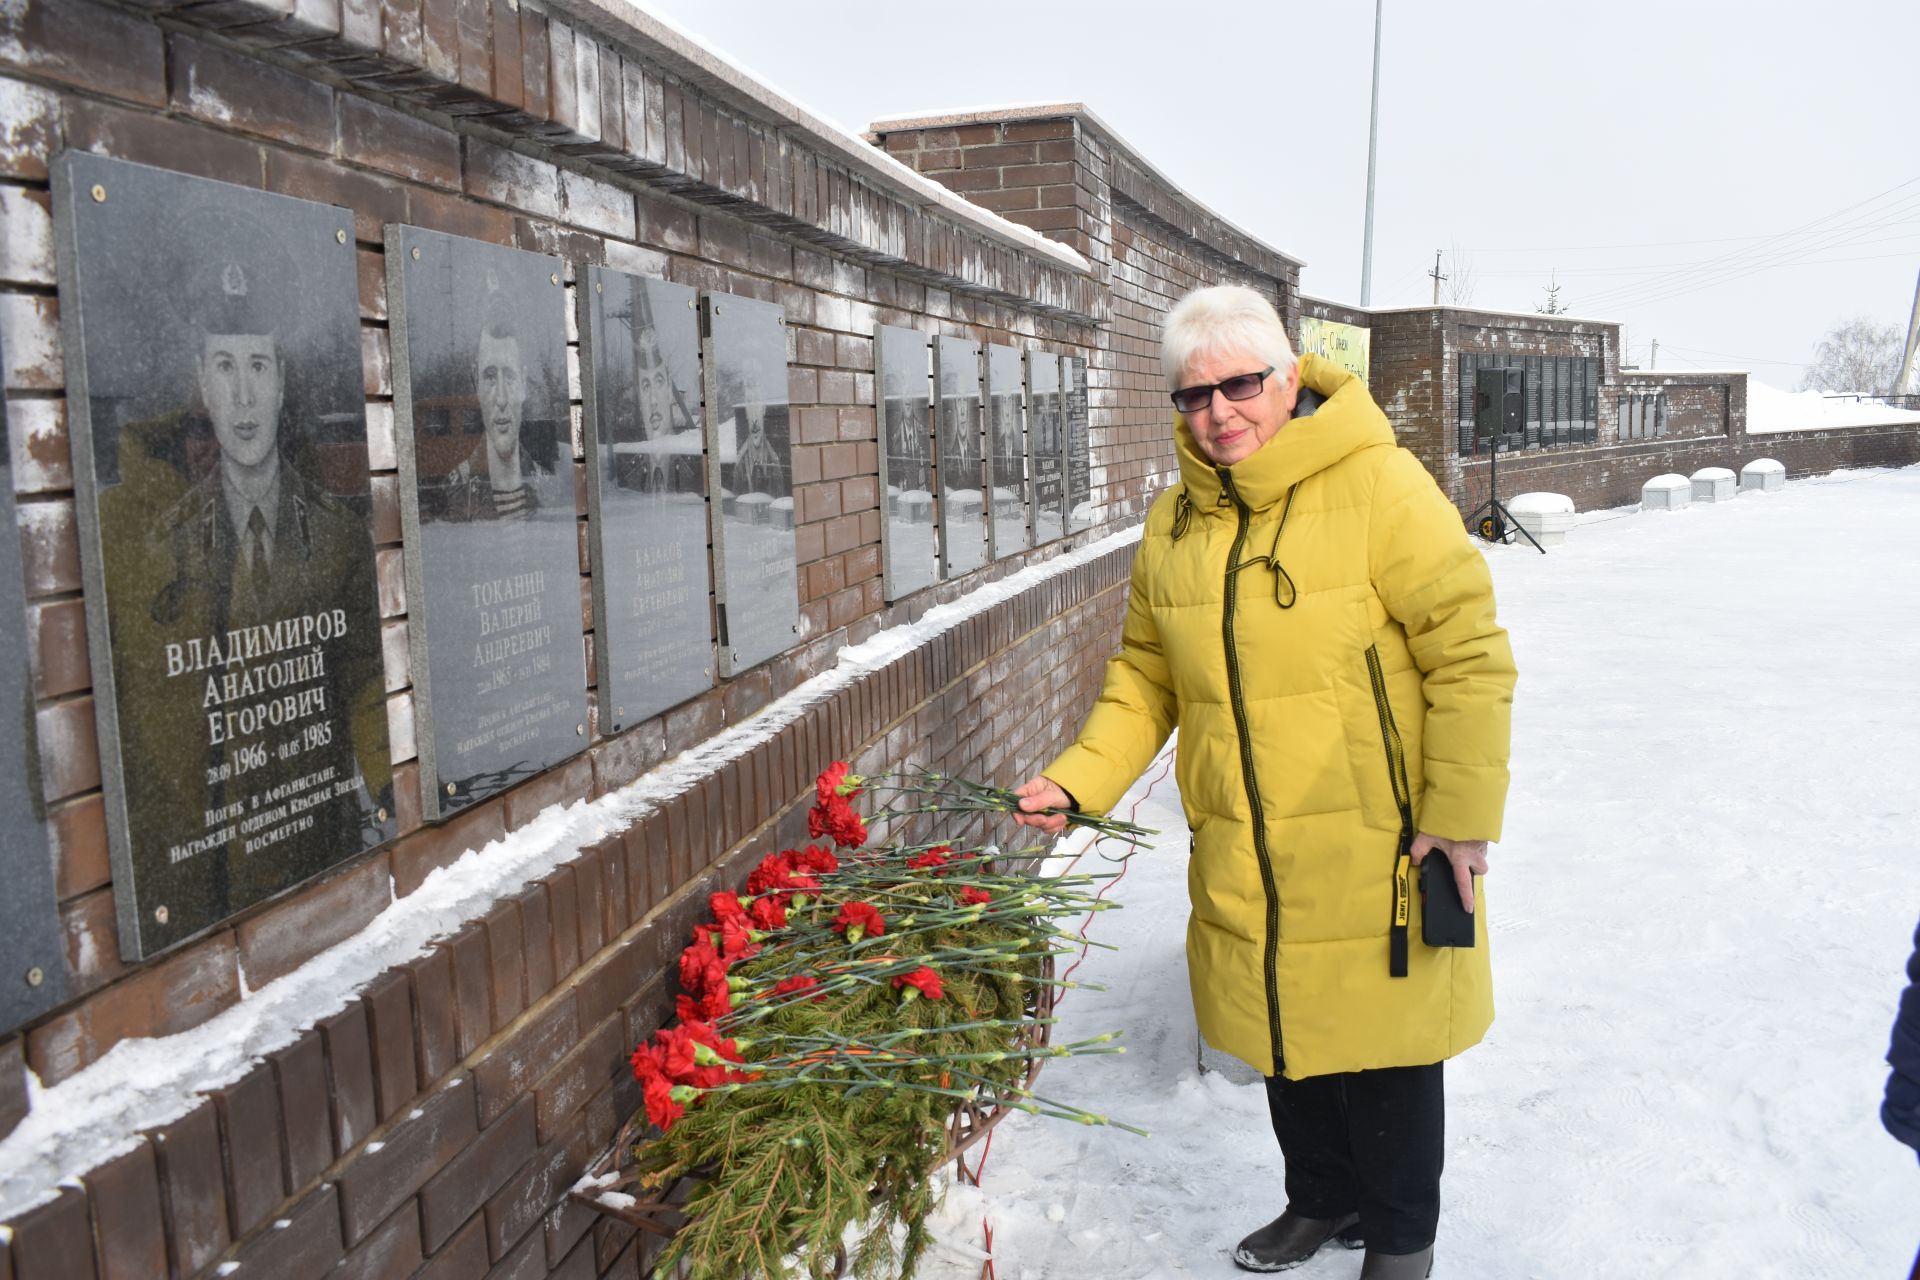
<point x="1444" y="919"/>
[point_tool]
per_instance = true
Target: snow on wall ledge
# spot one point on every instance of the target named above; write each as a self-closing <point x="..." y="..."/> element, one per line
<point x="141" y="1084"/>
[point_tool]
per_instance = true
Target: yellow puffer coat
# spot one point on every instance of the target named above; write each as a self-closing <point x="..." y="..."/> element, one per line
<point x="1318" y="625"/>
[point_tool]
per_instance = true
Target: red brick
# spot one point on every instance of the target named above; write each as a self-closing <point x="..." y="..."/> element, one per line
<point x="392" y="1252"/>
<point x="280" y="939"/>
<point x="435" y="847"/>
<point x="250" y="1148"/>
<point x="458" y="1191"/>
<point x="147" y="139"/>
<point x="33" y="127"/>
<point x="250" y="96"/>
<point x="463" y="1258"/>
<point x="88" y="46"/>
<point x="421" y="1145"/>
<point x="53" y="1242"/>
<point x="130" y="1237"/>
<point x="306" y="1117"/>
<point x="303" y="1245"/>
<point x="533" y="1192"/>
<point x="536" y="924"/>
<point x="472" y="999"/>
<point x="78" y="830"/>
<point x="513" y="1064"/>
<point x="506" y="964"/>
<point x="589" y="883"/>
<point x="564" y="917"/>
<point x="509" y="76"/>
<point x="69" y="751"/>
<point x="169" y="996"/>
<point x="562" y="785"/>
<point x="373" y="201"/>
<point x="57" y="647"/>
<point x="191" y="1182"/>
<point x="459" y="216"/>
<point x="600" y="1057"/>
<point x="397" y="143"/>
<point x="349" y="1075"/>
<point x="389" y="1001"/>
<point x="433" y="1014"/>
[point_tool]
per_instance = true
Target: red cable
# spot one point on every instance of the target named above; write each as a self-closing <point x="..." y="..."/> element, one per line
<point x="980" y="1166"/>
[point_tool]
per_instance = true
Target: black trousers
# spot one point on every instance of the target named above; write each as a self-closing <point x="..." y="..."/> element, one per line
<point x="1366" y="1142"/>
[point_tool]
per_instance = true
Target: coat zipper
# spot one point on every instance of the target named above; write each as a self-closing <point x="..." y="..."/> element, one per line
<point x="1403" y="800"/>
<point x="1234" y="695"/>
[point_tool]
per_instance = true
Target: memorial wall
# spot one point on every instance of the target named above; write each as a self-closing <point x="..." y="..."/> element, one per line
<point x="420" y="420"/>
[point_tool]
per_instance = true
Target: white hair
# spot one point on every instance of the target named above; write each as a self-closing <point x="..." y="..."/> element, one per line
<point x="1224" y="319"/>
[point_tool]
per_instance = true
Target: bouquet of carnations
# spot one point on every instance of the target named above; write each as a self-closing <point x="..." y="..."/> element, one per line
<point x="840" y="1017"/>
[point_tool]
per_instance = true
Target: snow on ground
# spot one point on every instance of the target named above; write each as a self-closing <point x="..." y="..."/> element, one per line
<point x="1771" y="410"/>
<point x="1700" y="914"/>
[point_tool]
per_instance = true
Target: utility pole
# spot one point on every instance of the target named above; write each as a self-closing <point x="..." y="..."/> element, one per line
<point x="1906" y="379"/>
<point x="1373" y="148"/>
<point x="1437" y="277"/>
<point x="1653" y="361"/>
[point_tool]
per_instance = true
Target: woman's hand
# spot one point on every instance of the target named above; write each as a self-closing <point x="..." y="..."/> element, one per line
<point x="1041" y="792"/>
<point x="1469" y="858"/>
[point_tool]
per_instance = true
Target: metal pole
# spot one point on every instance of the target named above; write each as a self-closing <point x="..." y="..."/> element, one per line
<point x="1653" y="361"/>
<point x="1907" y="377"/>
<point x="1373" y="148"/>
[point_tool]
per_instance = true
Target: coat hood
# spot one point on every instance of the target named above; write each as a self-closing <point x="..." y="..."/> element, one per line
<point x="1348" y="421"/>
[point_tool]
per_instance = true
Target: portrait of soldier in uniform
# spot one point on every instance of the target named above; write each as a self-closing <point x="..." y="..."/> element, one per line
<point x="499" y="479"/>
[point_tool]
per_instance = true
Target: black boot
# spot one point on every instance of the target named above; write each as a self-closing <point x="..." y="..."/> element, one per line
<point x="1398" y="1266"/>
<point x="1292" y="1238"/>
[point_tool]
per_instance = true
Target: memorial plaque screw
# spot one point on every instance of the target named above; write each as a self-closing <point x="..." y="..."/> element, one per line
<point x="340" y="237"/>
<point x="379" y="815"/>
<point x="579" y="731"/>
<point x="416" y="253"/>
<point x="598" y="287"/>
<point x="620" y="713"/>
<point x="36" y="976"/>
<point x="553" y="277"/>
<point x="99" y="194"/>
<point x="160" y="913"/>
<point x="449" y="788"/>
<point x="690" y="304"/>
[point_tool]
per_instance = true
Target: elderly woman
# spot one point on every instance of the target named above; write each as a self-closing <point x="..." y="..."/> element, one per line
<point x="1307" y="609"/>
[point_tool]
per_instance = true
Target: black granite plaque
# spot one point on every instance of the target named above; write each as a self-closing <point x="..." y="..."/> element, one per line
<point x="962" y="474"/>
<point x="1046" y="453"/>
<point x="219" y="434"/>
<point x="1007" y="453"/>
<point x="33" y="972"/>
<point x="484" y="439"/>
<point x="646" y="494"/>
<point x="1073" y="396"/>
<point x="750" y="474"/>
<point x="909" y="555"/>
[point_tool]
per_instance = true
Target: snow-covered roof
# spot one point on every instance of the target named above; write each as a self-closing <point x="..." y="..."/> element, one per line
<point x="686" y="54"/>
<point x="1558" y="318"/>
<point x="1771" y="410"/>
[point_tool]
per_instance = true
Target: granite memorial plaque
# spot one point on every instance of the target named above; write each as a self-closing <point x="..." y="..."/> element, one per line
<point x="1006" y="453"/>
<point x="1046" y="454"/>
<point x="963" y="509"/>
<point x="750" y="475"/>
<point x="909" y="556"/>
<point x="33" y="971"/>
<point x="1075" y="423"/>
<point x="218" y="422"/>
<point x="646" y="494"/>
<point x="482" y="431"/>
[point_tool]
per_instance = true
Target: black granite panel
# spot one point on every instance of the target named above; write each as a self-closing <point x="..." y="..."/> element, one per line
<point x="909" y="553"/>
<point x="1046" y="454"/>
<point x="962" y="474"/>
<point x="750" y="474"/>
<point x="1006" y="453"/>
<point x="220" y="466"/>
<point x="1081" y="512"/>
<point x="486" y="486"/>
<point x="646" y="491"/>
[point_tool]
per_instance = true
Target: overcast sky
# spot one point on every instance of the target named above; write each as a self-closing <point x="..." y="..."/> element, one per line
<point x="1731" y="179"/>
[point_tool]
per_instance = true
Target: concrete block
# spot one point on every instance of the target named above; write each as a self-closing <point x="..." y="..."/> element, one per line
<point x="1763" y="475"/>
<point x="1669" y="492"/>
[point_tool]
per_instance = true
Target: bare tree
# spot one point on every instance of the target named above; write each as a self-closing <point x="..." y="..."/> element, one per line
<point x="1859" y="355"/>
<point x="1460" y="282"/>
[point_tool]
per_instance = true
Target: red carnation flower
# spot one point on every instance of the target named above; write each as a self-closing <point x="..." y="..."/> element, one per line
<point x="975" y="897"/>
<point x="725" y="906"/>
<point x="836" y="780"/>
<point x="922" y="980"/>
<point x="932" y="859"/>
<point x="846" y="827"/>
<point x="859" y="919"/>
<point x="661" y="1108"/>
<point x="772" y="872"/>
<point x="818" y="860"/>
<point x="768" y="913"/>
<point x="735" y="942"/>
<point x="797" y="983"/>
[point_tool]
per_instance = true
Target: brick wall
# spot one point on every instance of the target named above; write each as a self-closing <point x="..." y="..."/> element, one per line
<point x="436" y="1120"/>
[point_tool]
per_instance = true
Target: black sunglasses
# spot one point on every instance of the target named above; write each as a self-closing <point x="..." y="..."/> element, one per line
<point x="1243" y="386"/>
